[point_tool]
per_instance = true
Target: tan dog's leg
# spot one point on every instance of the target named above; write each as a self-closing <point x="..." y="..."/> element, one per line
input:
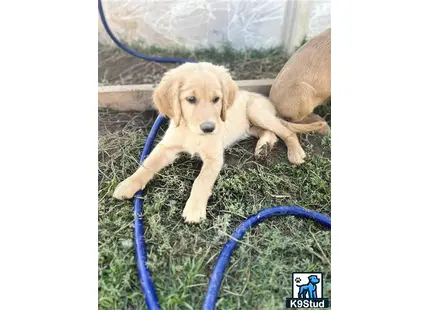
<point x="159" y="158"/>
<point x="266" y="141"/>
<point x="299" y="106"/>
<point x="313" y="118"/>
<point x="301" y="101"/>
<point x="195" y="208"/>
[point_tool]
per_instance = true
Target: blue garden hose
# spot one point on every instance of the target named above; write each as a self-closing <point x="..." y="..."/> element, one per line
<point x="216" y="277"/>
<point x="227" y="251"/>
<point x="225" y="255"/>
<point x="139" y="241"/>
<point x="129" y="50"/>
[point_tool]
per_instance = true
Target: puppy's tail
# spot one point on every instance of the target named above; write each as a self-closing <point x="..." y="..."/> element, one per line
<point x="303" y="128"/>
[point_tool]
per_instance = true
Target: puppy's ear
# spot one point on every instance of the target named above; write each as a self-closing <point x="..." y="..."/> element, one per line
<point x="166" y="97"/>
<point x="229" y="90"/>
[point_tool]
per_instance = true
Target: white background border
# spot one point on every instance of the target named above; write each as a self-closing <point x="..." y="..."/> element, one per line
<point x="48" y="157"/>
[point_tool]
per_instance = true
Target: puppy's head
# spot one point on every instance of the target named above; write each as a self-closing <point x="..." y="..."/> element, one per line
<point x="198" y="94"/>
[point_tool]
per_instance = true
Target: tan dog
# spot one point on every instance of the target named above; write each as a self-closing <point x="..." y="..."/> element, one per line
<point x="304" y="83"/>
<point x="208" y="114"/>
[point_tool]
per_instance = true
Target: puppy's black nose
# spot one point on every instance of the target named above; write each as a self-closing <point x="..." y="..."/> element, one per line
<point x="207" y="127"/>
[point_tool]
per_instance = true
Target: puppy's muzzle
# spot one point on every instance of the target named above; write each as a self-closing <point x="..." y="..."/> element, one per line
<point x="207" y="127"/>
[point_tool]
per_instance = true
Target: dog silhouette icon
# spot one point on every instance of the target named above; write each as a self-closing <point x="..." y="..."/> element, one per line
<point x="309" y="290"/>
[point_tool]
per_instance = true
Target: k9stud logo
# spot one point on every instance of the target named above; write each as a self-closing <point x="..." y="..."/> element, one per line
<point x="307" y="291"/>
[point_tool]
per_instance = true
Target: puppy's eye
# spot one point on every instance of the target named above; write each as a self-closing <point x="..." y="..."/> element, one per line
<point x="192" y="99"/>
<point x="215" y="99"/>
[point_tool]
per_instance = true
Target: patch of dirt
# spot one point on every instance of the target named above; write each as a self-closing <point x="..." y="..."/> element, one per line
<point x="120" y="68"/>
<point x="115" y="121"/>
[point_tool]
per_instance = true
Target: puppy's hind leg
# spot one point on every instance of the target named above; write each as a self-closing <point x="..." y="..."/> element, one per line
<point x="265" y="143"/>
<point x="262" y="114"/>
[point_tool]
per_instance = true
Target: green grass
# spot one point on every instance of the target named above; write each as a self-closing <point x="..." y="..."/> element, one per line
<point x="224" y="53"/>
<point x="181" y="256"/>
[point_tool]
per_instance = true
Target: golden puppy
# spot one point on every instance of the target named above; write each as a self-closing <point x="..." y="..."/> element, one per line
<point x="208" y="114"/>
<point x="304" y="83"/>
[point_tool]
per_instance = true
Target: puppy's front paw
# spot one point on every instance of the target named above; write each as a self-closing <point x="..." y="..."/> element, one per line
<point x="127" y="188"/>
<point x="262" y="150"/>
<point x="194" y="211"/>
<point x="265" y="144"/>
<point x="296" y="157"/>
